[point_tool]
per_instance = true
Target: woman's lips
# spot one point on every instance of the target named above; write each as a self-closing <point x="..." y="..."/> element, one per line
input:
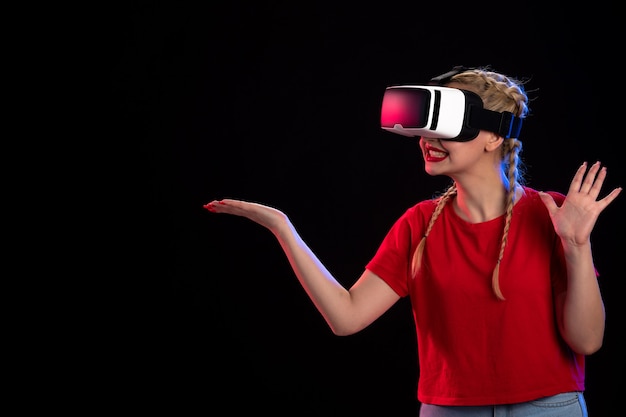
<point x="434" y="155"/>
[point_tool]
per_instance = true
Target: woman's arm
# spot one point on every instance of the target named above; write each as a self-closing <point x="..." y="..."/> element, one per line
<point x="345" y="311"/>
<point x="580" y="310"/>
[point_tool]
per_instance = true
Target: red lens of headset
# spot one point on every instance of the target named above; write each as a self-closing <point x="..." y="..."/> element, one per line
<point x="408" y="107"/>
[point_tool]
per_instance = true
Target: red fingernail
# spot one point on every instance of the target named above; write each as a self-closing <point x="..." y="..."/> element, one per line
<point x="221" y="202"/>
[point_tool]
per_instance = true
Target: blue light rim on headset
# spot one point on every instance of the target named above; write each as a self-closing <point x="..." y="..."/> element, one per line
<point x="505" y="124"/>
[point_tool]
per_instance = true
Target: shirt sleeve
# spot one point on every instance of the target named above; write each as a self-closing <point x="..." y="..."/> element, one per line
<point x="392" y="261"/>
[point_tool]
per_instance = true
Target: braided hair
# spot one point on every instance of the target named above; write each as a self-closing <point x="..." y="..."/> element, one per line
<point x="499" y="93"/>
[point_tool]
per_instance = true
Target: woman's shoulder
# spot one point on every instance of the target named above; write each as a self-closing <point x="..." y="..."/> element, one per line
<point x="424" y="206"/>
<point x="419" y="212"/>
<point x="532" y="195"/>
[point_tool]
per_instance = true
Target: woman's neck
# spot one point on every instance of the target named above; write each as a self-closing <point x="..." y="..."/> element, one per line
<point x="481" y="202"/>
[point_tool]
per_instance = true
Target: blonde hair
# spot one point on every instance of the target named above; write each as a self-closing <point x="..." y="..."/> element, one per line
<point x="499" y="93"/>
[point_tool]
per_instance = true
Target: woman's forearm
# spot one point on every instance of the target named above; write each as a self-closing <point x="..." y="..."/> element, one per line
<point x="583" y="309"/>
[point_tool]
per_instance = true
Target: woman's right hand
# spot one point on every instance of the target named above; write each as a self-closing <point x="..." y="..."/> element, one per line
<point x="266" y="216"/>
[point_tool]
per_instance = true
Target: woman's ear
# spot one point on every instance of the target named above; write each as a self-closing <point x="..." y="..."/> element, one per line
<point x="493" y="142"/>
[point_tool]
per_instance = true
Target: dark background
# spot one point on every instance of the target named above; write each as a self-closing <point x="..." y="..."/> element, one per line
<point x="279" y="103"/>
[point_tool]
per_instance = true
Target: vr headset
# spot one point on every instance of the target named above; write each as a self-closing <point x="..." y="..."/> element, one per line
<point x="435" y="111"/>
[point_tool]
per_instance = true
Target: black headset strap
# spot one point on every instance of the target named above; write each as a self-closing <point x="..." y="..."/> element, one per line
<point x="505" y="124"/>
<point x="445" y="77"/>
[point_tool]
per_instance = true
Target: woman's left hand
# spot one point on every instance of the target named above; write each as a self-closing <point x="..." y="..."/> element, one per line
<point x="576" y="217"/>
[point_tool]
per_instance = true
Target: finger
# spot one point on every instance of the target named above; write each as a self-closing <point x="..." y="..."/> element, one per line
<point x="210" y="206"/>
<point x="599" y="180"/>
<point x="221" y="206"/>
<point x="597" y="183"/>
<point x="578" y="178"/>
<point x="235" y="207"/>
<point x="548" y="201"/>
<point x="590" y="177"/>
<point x="610" y="197"/>
<point x="228" y="201"/>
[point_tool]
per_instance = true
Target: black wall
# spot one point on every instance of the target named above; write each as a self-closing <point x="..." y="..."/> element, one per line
<point x="280" y="104"/>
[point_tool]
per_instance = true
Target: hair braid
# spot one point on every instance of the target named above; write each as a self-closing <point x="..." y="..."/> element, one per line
<point x="499" y="93"/>
<point x="512" y="148"/>
<point x="416" y="262"/>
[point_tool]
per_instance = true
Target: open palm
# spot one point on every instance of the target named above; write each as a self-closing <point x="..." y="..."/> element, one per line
<point x="576" y="217"/>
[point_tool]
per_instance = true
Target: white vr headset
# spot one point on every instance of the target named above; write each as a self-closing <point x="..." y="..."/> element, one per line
<point x="442" y="112"/>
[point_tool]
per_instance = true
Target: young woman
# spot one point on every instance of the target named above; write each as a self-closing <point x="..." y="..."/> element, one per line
<point x="501" y="277"/>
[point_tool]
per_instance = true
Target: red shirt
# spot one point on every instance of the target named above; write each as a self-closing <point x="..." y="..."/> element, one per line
<point x="474" y="349"/>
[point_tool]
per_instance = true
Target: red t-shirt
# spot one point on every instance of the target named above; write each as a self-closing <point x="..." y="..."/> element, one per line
<point x="474" y="349"/>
